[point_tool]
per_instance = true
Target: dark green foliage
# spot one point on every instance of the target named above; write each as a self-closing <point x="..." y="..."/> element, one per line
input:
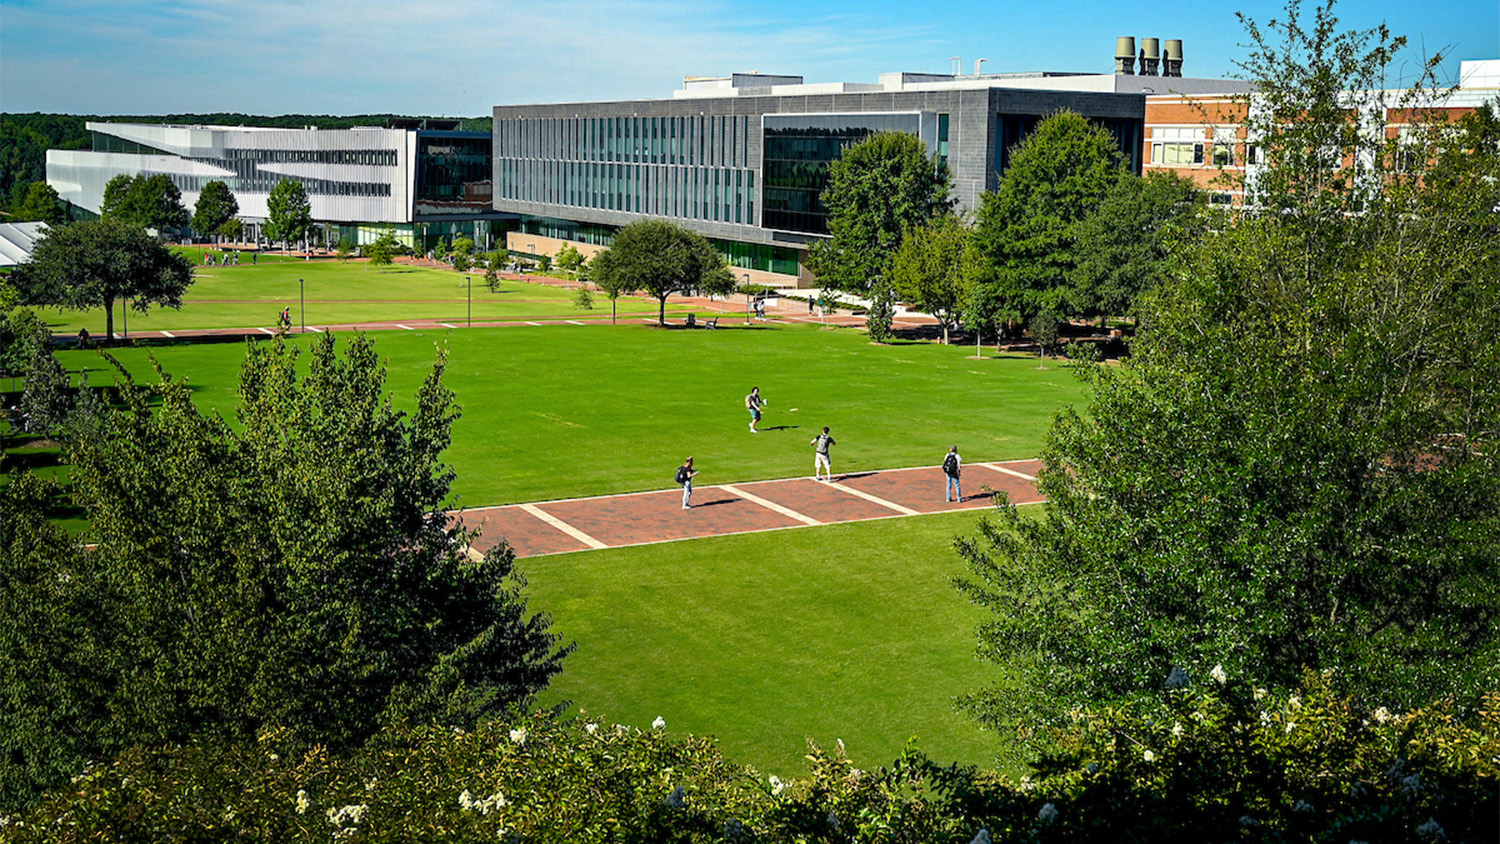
<point x="48" y="397"/>
<point x="1214" y="762"/>
<point x="382" y="250"/>
<point x="1123" y="246"/>
<point x="24" y="141"/>
<point x="216" y="206"/>
<point x="288" y="214"/>
<point x="115" y="204"/>
<point x="148" y="202"/>
<point x="1027" y="232"/>
<point x="295" y="570"/>
<point x="23" y="336"/>
<point x="1296" y="468"/>
<point x="660" y="258"/>
<point x="878" y="189"/>
<point x="1044" y="328"/>
<point x="40" y="205"/>
<point x="93" y="263"/>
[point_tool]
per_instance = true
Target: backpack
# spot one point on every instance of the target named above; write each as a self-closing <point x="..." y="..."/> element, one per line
<point x="682" y="475"/>
<point x="950" y="464"/>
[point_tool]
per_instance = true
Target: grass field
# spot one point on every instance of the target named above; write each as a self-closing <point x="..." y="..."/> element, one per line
<point x="571" y="411"/>
<point x="337" y="292"/>
<point x="841" y="632"/>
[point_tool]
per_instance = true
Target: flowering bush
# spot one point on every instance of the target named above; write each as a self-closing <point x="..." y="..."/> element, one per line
<point x="1216" y="761"/>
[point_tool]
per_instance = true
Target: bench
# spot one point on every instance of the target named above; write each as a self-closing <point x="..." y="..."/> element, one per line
<point x="711" y="323"/>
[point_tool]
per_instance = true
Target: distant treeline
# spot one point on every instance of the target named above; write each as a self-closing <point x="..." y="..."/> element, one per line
<point x="25" y="138"/>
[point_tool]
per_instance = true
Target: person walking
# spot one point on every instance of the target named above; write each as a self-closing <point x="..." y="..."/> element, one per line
<point x="820" y="445"/>
<point x="685" y="474"/>
<point x="952" y="466"/>
<point x="754" y="403"/>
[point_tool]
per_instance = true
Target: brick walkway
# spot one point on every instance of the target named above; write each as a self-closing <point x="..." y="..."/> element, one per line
<point x="615" y="521"/>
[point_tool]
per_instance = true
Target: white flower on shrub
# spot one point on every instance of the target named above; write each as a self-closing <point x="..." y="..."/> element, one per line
<point x="1048" y="814"/>
<point x="1260" y="693"/>
<point x="1295" y="702"/>
<point x="591" y="728"/>
<point x="776" y="784"/>
<point x="371" y="783"/>
<point x="303" y="802"/>
<point x="518" y="735"/>
<point x="1382" y="715"/>
<point x="1291" y="725"/>
<point x="1218" y="674"/>
<point x="465" y="799"/>
<point x="489" y="804"/>
<point x="348" y="815"/>
<point x="1149" y="756"/>
<point x="1177" y="730"/>
<point x="659" y="724"/>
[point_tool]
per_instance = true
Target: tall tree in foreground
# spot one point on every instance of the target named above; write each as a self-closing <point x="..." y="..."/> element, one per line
<point x="1124" y="245"/>
<point x="94" y="263"/>
<point x="216" y="206"/>
<point x="878" y="189"/>
<point x="288" y="214"/>
<point x="660" y="258"/>
<point x="1296" y="468"/>
<point x="296" y="569"/>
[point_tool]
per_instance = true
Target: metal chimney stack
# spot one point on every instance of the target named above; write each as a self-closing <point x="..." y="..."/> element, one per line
<point x="1150" y="56"/>
<point x="1125" y="55"/>
<point x="1172" y="65"/>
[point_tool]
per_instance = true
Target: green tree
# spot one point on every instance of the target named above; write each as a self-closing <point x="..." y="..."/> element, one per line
<point x="115" y="204"/>
<point x="216" y="206"/>
<point x="288" y="215"/>
<point x="878" y="189"/>
<point x="93" y="263"/>
<point x="42" y="204"/>
<point x="154" y="202"/>
<point x="1292" y="471"/>
<point x="882" y="312"/>
<point x="570" y="260"/>
<point x="929" y="269"/>
<point x="660" y="258"/>
<point x="1123" y="246"/>
<point x="48" y="397"/>
<point x="295" y="569"/>
<point x="463" y="254"/>
<point x="381" y="251"/>
<point x="1027" y="230"/>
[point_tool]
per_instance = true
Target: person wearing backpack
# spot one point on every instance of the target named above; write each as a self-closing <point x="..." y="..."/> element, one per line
<point x="952" y="466"/>
<point x="754" y="403"/>
<point x="685" y="474"/>
<point x="820" y="445"/>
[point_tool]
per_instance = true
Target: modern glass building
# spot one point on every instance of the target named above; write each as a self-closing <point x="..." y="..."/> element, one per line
<point x="744" y="159"/>
<point x="421" y="182"/>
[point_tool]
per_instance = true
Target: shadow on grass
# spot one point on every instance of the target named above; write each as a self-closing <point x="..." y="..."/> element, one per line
<point x="781" y="428"/>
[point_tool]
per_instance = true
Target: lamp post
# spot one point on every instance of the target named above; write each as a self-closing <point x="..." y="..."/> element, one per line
<point x="746" y="276"/>
<point x="470" y="283"/>
<point x="302" y="304"/>
<point x="125" y="314"/>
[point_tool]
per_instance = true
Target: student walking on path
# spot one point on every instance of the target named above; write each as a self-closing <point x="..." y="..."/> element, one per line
<point x="952" y="466"/>
<point x="685" y="474"/>
<point x="754" y="403"/>
<point x="820" y="445"/>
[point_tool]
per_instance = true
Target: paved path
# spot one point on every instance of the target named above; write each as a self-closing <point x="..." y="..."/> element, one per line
<point x="642" y="518"/>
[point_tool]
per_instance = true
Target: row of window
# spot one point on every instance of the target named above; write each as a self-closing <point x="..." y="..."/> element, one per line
<point x="692" y="193"/>
<point x="263" y="182"/>
<point x="711" y="141"/>
<point x="377" y="157"/>
<point x="1184" y="153"/>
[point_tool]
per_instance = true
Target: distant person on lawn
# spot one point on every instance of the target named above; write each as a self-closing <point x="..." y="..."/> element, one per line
<point x="820" y="445"/>
<point x="685" y="474"/>
<point x="754" y="403"/>
<point x="952" y="466"/>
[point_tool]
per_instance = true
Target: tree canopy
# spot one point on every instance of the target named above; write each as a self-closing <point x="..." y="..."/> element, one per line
<point x="1124" y="244"/>
<point x="1027" y="230"/>
<point x="930" y="269"/>
<point x="1293" y="470"/>
<point x="296" y="569"/>
<point x="41" y="204"/>
<point x="288" y="214"/>
<point x="150" y="202"/>
<point x="878" y="189"/>
<point x="216" y="206"/>
<point x="93" y="263"/>
<point x="660" y="258"/>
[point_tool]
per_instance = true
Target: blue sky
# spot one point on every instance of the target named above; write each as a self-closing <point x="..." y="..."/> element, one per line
<point x="464" y="56"/>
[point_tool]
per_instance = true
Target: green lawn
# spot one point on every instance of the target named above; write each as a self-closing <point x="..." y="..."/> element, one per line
<point x="569" y="411"/>
<point x="846" y="632"/>
<point x="336" y="292"/>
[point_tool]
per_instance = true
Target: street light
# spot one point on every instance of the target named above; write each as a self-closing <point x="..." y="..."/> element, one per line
<point x="470" y="283"/>
<point x="746" y="276"/>
<point x="302" y="306"/>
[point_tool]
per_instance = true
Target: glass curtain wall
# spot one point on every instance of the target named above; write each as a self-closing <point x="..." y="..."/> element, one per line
<point x="796" y="153"/>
